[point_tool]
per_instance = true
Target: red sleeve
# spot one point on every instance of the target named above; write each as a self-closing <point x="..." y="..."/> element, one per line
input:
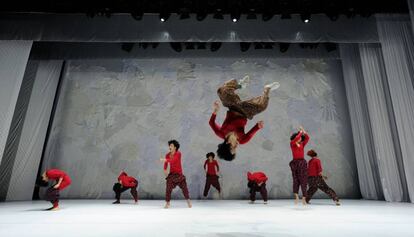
<point x="55" y="174"/>
<point x="319" y="167"/>
<point x="246" y="138"/>
<point x="306" y="139"/>
<point x="205" y="164"/>
<point x="216" y="128"/>
<point x="217" y="165"/>
<point x="166" y="162"/>
<point x="296" y="139"/>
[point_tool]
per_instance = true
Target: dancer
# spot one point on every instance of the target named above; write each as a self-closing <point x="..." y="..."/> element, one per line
<point x="232" y="129"/>
<point x="298" y="165"/>
<point x="212" y="168"/>
<point x="316" y="179"/>
<point x="175" y="176"/>
<point x="52" y="194"/>
<point x="257" y="183"/>
<point x="124" y="183"/>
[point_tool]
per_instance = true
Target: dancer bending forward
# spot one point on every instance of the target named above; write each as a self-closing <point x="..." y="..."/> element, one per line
<point x="257" y="183"/>
<point x="124" y="183"/>
<point x="52" y="194"/>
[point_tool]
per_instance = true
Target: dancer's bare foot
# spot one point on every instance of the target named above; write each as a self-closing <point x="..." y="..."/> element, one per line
<point x="296" y="199"/>
<point x="167" y="205"/>
<point x="244" y="82"/>
<point x="337" y="203"/>
<point x="55" y="209"/>
<point x="304" y="201"/>
<point x="189" y="203"/>
<point x="272" y="86"/>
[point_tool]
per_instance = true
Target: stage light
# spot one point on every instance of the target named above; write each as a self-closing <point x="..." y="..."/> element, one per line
<point x="127" y="47"/>
<point x="267" y="16"/>
<point x="164" y="16"/>
<point x="330" y="47"/>
<point x="251" y="15"/>
<point x="201" y="16"/>
<point x="305" y="17"/>
<point x="235" y="16"/>
<point x="268" y="45"/>
<point x="176" y="46"/>
<point x="283" y="47"/>
<point x="189" y="45"/>
<point x="137" y="15"/>
<point x="285" y="16"/>
<point x="201" y="45"/>
<point x="218" y="15"/>
<point x="258" y="45"/>
<point x="215" y="46"/>
<point x="244" y="46"/>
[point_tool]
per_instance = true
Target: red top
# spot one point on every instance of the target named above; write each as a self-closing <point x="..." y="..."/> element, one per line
<point x="127" y="181"/>
<point x="298" y="150"/>
<point x="175" y="163"/>
<point x="257" y="177"/>
<point x="314" y="167"/>
<point x="211" y="167"/>
<point x="56" y="174"/>
<point x="233" y="123"/>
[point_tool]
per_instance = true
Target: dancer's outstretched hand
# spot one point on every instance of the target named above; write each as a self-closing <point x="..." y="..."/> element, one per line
<point x="260" y="124"/>
<point x="216" y="106"/>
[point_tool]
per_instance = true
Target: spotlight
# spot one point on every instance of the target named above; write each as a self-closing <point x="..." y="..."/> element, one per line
<point x="283" y="47"/>
<point x="305" y="17"/>
<point x="189" y="45"/>
<point x="164" y="16"/>
<point x="268" y="45"/>
<point x="285" y="16"/>
<point x="258" y="45"/>
<point x="267" y="16"/>
<point x="251" y="15"/>
<point x="215" y="46"/>
<point x="201" y="45"/>
<point x="127" y="47"/>
<point x="176" y="46"/>
<point x="143" y="45"/>
<point x="235" y="16"/>
<point x="137" y="15"/>
<point x="330" y="47"/>
<point x="244" y="46"/>
<point x="218" y="15"/>
<point x="201" y="16"/>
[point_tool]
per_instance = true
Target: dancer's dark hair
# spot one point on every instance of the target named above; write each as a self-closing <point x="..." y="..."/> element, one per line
<point x="40" y="182"/>
<point x="175" y="143"/>
<point x="224" y="151"/>
<point x="312" y="153"/>
<point x="210" y="154"/>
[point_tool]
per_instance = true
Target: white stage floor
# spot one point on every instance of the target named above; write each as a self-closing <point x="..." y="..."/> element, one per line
<point x="207" y="219"/>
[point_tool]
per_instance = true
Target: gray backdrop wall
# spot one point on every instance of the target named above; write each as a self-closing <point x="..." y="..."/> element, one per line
<point x="116" y="114"/>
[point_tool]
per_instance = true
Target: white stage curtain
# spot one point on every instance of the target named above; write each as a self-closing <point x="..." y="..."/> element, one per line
<point x="369" y="178"/>
<point x="396" y="37"/>
<point x="374" y="78"/>
<point x="34" y="128"/>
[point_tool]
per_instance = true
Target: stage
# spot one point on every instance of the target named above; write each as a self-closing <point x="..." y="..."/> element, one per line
<point x="207" y="218"/>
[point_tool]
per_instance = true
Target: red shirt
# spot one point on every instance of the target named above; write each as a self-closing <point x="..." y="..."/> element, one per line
<point x="314" y="167"/>
<point x="257" y="177"/>
<point x="175" y="163"/>
<point x="127" y="181"/>
<point x="298" y="151"/>
<point x="55" y="174"/>
<point x="233" y="123"/>
<point x="211" y="167"/>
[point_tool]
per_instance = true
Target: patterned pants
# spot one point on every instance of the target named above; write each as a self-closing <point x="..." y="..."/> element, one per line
<point x="256" y="188"/>
<point x="174" y="180"/>
<point x="118" y="189"/>
<point x="211" y="180"/>
<point x="247" y="108"/>
<point x="299" y="170"/>
<point x="317" y="182"/>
